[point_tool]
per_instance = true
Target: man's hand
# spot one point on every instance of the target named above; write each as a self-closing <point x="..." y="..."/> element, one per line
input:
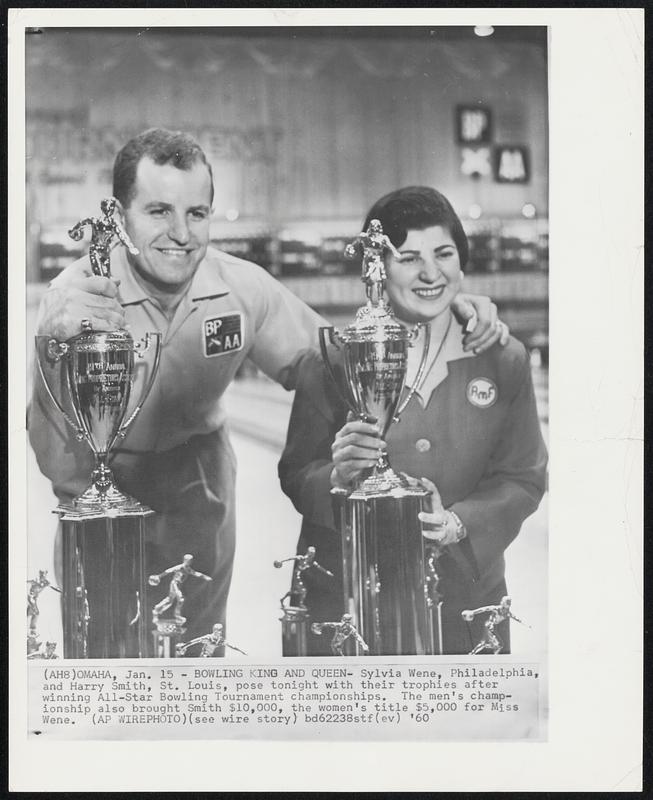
<point x="357" y="446"/>
<point x="89" y="297"/>
<point x="478" y="315"/>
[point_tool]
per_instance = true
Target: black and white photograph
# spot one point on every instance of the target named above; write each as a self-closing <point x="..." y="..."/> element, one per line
<point x="287" y="325"/>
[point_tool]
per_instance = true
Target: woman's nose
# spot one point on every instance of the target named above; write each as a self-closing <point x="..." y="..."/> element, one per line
<point x="429" y="271"/>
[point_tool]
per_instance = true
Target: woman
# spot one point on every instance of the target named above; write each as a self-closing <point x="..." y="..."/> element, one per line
<point x="471" y="431"/>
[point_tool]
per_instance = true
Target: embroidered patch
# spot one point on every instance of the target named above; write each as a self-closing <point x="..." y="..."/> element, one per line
<point x="223" y="334"/>
<point x="482" y="392"/>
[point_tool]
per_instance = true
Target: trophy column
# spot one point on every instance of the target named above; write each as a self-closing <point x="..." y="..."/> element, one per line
<point x="104" y="587"/>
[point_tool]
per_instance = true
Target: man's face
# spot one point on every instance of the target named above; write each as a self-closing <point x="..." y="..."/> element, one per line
<point x="168" y="221"/>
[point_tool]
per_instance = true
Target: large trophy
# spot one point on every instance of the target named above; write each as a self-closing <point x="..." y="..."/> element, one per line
<point x="103" y="575"/>
<point x="387" y="563"/>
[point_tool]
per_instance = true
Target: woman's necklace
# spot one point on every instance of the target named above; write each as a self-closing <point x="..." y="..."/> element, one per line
<point x="420" y="378"/>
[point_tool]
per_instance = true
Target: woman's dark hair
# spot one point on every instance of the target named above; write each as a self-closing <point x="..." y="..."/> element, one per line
<point x="417" y="208"/>
<point x="163" y="147"/>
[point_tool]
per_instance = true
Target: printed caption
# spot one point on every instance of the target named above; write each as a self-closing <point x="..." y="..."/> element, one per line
<point x="202" y="698"/>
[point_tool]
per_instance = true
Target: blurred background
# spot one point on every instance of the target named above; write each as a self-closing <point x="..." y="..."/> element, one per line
<point x="305" y="128"/>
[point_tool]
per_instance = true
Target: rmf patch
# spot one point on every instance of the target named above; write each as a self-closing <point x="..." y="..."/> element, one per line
<point x="482" y="392"/>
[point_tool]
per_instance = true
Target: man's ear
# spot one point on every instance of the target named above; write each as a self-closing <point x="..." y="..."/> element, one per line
<point x="120" y="211"/>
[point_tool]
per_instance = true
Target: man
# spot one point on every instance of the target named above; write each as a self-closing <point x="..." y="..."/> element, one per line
<point x="213" y="311"/>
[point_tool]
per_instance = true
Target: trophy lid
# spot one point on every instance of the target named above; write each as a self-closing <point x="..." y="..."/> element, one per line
<point x="110" y="340"/>
<point x="375" y="323"/>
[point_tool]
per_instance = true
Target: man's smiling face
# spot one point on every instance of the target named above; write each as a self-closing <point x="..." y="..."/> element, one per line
<point x="168" y="221"/>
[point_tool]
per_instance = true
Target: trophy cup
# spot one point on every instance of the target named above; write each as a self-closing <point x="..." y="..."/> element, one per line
<point x="387" y="578"/>
<point x="103" y="577"/>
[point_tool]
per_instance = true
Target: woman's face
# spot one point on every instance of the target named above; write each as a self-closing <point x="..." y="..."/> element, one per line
<point x="426" y="277"/>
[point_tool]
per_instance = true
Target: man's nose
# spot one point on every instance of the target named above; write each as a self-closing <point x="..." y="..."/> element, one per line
<point x="178" y="229"/>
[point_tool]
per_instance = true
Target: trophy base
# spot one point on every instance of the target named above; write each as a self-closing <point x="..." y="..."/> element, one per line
<point x="388" y="571"/>
<point x="294" y="629"/>
<point x="166" y="637"/>
<point x="103" y="587"/>
<point x="94" y="504"/>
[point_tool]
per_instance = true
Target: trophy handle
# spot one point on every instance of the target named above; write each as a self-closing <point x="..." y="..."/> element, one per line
<point x="143" y="345"/>
<point x="332" y="336"/>
<point x="56" y="351"/>
<point x="420" y="372"/>
<point x="141" y="348"/>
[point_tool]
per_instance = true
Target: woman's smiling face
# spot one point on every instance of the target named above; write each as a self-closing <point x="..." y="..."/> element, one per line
<point x="426" y="277"/>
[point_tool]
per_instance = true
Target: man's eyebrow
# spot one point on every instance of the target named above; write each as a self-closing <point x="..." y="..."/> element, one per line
<point x="200" y="207"/>
<point x="157" y="204"/>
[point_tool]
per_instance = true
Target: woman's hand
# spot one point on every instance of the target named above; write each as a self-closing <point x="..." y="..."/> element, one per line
<point x="439" y="524"/>
<point x="357" y="447"/>
<point x="482" y="326"/>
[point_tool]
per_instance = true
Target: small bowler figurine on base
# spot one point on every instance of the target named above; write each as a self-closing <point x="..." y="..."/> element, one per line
<point x="210" y="643"/>
<point x="297" y="588"/>
<point x="33" y="592"/>
<point x="49" y="651"/>
<point x="343" y="630"/>
<point x="491" y="639"/>
<point x="175" y="597"/>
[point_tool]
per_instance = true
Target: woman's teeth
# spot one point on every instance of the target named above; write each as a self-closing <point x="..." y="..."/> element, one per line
<point x="429" y="294"/>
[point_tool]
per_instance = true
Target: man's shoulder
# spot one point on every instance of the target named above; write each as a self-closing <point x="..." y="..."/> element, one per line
<point x="231" y="267"/>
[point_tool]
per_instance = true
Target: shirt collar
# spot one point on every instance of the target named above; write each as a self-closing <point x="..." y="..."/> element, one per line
<point x="206" y="283"/>
<point x="437" y="367"/>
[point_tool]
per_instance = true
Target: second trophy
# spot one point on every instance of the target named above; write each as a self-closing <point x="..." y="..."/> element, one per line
<point x="387" y="563"/>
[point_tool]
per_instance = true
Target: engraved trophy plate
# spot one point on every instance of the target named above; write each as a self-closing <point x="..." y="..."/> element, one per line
<point x="388" y="574"/>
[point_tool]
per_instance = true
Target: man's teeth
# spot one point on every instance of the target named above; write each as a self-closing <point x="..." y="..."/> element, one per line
<point x="172" y="252"/>
<point x="435" y="292"/>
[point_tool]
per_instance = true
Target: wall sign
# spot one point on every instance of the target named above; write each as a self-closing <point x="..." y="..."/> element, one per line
<point x="473" y="125"/>
<point x="511" y="164"/>
<point x="475" y="161"/>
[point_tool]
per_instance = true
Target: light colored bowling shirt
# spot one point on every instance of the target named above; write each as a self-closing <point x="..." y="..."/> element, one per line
<point x="232" y="310"/>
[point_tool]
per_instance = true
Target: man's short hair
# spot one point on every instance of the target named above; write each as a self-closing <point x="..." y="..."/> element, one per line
<point x="163" y="147"/>
<point x="417" y="208"/>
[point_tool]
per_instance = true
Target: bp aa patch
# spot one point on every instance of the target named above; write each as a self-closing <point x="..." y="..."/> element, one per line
<point x="223" y="334"/>
<point x="482" y="392"/>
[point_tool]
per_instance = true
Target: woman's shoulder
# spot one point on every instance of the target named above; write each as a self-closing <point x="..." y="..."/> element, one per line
<point x="508" y="362"/>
